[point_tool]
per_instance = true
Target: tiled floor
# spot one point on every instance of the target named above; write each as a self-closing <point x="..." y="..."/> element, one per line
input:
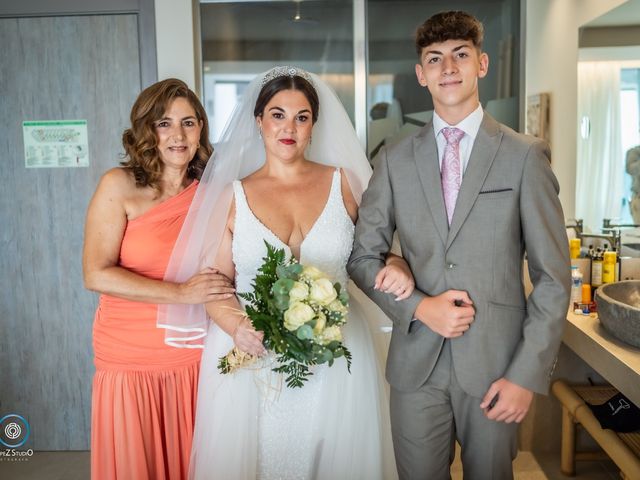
<point x="75" y="466"/>
<point x="547" y="467"/>
<point x="47" y="466"/>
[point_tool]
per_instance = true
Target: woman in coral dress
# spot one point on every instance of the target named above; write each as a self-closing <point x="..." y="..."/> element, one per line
<point x="144" y="391"/>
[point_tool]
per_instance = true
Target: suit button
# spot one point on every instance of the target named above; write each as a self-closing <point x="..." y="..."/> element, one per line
<point x="450" y="265"/>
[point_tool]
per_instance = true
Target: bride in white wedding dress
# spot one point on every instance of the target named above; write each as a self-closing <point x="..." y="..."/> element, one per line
<point x="249" y="425"/>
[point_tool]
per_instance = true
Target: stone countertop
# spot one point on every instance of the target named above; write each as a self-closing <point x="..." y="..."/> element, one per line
<point x="616" y="361"/>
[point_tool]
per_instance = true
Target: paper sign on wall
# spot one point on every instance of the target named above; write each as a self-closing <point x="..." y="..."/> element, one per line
<point x="55" y="143"/>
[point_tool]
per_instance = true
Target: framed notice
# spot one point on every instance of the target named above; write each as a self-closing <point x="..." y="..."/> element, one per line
<point x="55" y="143"/>
<point x="538" y="116"/>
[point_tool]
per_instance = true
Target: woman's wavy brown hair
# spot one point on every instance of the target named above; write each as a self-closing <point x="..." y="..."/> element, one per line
<point x="140" y="141"/>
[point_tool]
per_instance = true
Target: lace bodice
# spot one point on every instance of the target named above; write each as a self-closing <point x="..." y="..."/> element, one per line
<point x="327" y="246"/>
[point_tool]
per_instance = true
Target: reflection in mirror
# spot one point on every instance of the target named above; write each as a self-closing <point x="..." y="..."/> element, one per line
<point x="608" y="167"/>
<point x="630" y="133"/>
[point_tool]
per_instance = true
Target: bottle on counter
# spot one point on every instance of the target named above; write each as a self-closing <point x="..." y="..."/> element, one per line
<point x="596" y="268"/>
<point x="609" y="267"/>
<point x="576" y="286"/>
<point x="574" y="248"/>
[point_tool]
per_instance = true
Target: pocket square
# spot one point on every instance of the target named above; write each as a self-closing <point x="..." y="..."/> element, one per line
<point x="496" y="190"/>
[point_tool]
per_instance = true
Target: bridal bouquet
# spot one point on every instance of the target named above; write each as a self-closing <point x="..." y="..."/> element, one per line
<point x="300" y="312"/>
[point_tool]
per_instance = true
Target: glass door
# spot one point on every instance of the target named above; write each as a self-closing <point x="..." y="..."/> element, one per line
<point x="242" y="39"/>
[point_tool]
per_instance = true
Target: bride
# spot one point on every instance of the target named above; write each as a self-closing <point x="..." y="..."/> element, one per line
<point x="290" y="171"/>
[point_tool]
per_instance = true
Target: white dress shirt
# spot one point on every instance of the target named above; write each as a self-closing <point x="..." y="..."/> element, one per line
<point x="470" y="126"/>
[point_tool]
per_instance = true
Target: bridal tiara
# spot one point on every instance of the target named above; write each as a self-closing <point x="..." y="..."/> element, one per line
<point x="285" y="71"/>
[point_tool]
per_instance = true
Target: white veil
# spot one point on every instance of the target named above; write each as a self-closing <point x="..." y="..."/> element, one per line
<point x="239" y="153"/>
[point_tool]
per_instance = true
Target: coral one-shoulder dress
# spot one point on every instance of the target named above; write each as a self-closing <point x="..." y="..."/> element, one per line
<point x="144" y="392"/>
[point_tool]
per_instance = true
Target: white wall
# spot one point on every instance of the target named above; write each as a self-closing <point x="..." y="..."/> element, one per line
<point x="176" y="42"/>
<point x="551" y="66"/>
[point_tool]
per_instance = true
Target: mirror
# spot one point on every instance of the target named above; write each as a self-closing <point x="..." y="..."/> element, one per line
<point x="608" y="105"/>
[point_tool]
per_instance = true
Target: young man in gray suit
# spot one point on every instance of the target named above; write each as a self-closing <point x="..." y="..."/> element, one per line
<point x="468" y="197"/>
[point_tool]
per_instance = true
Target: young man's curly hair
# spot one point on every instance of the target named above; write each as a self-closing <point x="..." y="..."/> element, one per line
<point x="452" y="25"/>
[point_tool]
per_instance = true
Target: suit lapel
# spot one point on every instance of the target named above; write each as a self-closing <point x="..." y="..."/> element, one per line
<point x="425" y="154"/>
<point x="482" y="155"/>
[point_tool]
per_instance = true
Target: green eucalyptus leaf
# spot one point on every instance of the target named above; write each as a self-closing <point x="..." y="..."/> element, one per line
<point x="281" y="302"/>
<point x="305" y="332"/>
<point x="333" y="345"/>
<point x="282" y="286"/>
<point x="325" y="356"/>
<point x="282" y="272"/>
<point x="295" y="269"/>
<point x="291" y="271"/>
<point x="344" y="297"/>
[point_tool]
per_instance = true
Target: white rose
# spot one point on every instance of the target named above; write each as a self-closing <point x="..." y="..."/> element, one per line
<point x="320" y="324"/>
<point x="298" y="292"/>
<point x="312" y="273"/>
<point x="337" y="306"/>
<point x="322" y="291"/>
<point x="331" y="334"/>
<point x="297" y="315"/>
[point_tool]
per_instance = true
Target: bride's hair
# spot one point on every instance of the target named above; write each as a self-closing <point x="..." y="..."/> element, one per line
<point x="278" y="84"/>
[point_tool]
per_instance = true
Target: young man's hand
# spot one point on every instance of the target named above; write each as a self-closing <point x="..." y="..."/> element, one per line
<point x="449" y="314"/>
<point x="506" y="402"/>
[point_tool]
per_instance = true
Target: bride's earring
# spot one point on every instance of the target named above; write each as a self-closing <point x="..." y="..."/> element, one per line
<point x="260" y="132"/>
<point x="310" y="138"/>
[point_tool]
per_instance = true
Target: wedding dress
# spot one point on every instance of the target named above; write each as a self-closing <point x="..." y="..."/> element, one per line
<point x="249" y="425"/>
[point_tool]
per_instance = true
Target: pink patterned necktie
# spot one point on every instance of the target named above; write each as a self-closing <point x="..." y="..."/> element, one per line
<point x="451" y="178"/>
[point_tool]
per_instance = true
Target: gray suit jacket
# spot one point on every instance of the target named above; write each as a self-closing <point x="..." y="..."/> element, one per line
<point x="508" y="204"/>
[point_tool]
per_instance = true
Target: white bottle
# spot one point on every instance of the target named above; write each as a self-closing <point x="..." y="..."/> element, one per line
<point x="576" y="286"/>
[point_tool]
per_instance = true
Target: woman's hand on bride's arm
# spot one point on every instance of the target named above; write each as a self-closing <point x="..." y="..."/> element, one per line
<point x="395" y="278"/>
<point x="208" y="285"/>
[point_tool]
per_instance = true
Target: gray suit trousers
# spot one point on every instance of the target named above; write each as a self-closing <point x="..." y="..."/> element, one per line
<point x="426" y="422"/>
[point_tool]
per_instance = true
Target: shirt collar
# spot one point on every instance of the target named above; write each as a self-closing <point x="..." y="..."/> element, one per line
<point x="469" y="125"/>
